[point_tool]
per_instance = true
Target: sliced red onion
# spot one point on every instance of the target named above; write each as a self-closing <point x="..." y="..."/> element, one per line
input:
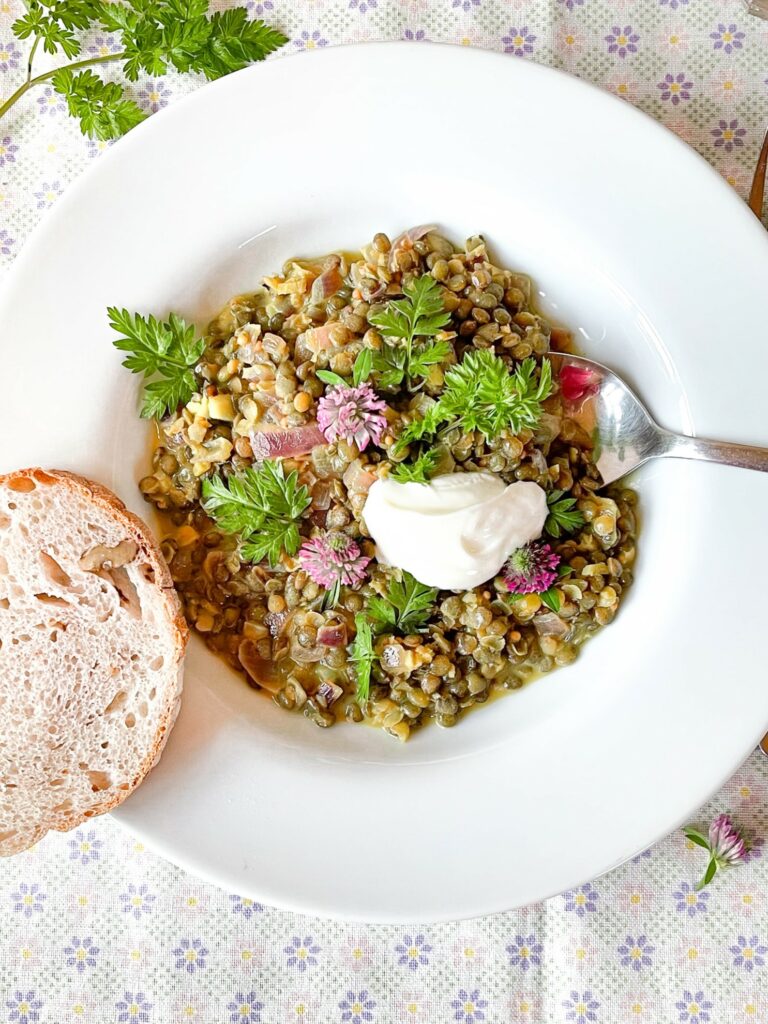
<point x="306" y="655"/>
<point x="329" y="282"/>
<point x="549" y="624"/>
<point x="302" y="349"/>
<point x="330" y="692"/>
<point x="260" y="671"/>
<point x="333" y="635"/>
<point x="357" y="479"/>
<point x="275" y="347"/>
<point x="374" y="293"/>
<point x="283" y="444"/>
<point x="250" y="353"/>
<point x="406" y="240"/>
<point x="321" y="495"/>
<point x="576" y="382"/>
<point x="317" y="339"/>
<point x="538" y="461"/>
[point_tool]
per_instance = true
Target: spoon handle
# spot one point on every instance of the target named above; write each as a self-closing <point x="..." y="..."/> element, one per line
<point x="744" y="456"/>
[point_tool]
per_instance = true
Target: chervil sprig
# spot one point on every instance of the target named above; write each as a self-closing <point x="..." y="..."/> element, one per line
<point x="54" y="23"/>
<point x="363" y="656"/>
<point x="485" y="396"/>
<point x="180" y="33"/>
<point x="263" y="506"/>
<point x="419" y="471"/>
<point x="562" y="517"/>
<point x="419" y="315"/>
<point x="102" y="108"/>
<point x="406" y="606"/>
<point x="154" y="34"/>
<point x="164" y="351"/>
<point x="481" y="394"/>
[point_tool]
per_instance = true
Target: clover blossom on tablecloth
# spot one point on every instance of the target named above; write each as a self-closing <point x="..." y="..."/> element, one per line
<point x="725" y="844"/>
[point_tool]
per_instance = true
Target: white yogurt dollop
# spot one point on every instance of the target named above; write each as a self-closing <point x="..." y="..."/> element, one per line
<point x="456" y="531"/>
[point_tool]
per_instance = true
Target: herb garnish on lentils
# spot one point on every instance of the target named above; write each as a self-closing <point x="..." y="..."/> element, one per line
<point x="419" y="315"/>
<point x="165" y="352"/>
<point x="410" y="360"/>
<point x="262" y="506"/>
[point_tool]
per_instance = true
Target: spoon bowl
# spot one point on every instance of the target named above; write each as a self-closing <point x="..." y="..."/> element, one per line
<point x="624" y="433"/>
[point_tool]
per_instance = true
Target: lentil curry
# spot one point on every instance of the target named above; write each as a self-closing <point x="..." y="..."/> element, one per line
<point x="256" y="400"/>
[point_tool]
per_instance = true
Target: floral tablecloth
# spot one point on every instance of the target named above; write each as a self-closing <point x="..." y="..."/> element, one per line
<point x="94" y="928"/>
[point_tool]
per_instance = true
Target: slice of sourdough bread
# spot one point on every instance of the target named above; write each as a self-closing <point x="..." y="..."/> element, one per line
<point x="92" y="641"/>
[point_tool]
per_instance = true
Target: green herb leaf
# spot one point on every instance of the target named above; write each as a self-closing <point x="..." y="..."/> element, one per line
<point x="274" y="537"/>
<point x="390" y="363"/>
<point x="382" y="614"/>
<point x="179" y="33"/>
<point x="481" y="394"/>
<point x="418" y="471"/>
<point x="168" y="350"/>
<point x="166" y="393"/>
<point x="709" y="874"/>
<point x="421" y="428"/>
<point x="406" y="606"/>
<point x="331" y="597"/>
<point x="101" y="107"/>
<point x="362" y="654"/>
<point x="263" y="506"/>
<point x="55" y="23"/>
<point x="551" y="599"/>
<point x="429" y="355"/>
<point x="421" y="314"/>
<point x="696" y="837"/>
<point x="328" y="377"/>
<point x="361" y="371"/>
<point x="413" y="602"/>
<point x="485" y="396"/>
<point x="234" y="42"/>
<point x="562" y="517"/>
<point x="564" y="569"/>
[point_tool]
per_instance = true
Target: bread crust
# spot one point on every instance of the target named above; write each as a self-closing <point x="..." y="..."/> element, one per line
<point x="149" y="548"/>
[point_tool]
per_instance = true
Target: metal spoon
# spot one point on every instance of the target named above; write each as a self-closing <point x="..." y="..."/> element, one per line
<point x="624" y="433"/>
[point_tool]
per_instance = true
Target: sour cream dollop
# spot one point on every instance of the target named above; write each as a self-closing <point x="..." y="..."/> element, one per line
<point x="456" y="531"/>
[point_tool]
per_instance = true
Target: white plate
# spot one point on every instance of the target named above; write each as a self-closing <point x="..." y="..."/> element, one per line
<point x="634" y="242"/>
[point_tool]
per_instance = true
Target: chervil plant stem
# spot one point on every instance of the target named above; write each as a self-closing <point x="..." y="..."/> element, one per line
<point x="39" y="79"/>
<point x="31" y="57"/>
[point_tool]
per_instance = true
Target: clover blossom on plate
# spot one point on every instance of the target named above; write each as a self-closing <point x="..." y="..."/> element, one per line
<point x="353" y="414"/>
<point x="332" y="560"/>
<point x="530" y="569"/>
